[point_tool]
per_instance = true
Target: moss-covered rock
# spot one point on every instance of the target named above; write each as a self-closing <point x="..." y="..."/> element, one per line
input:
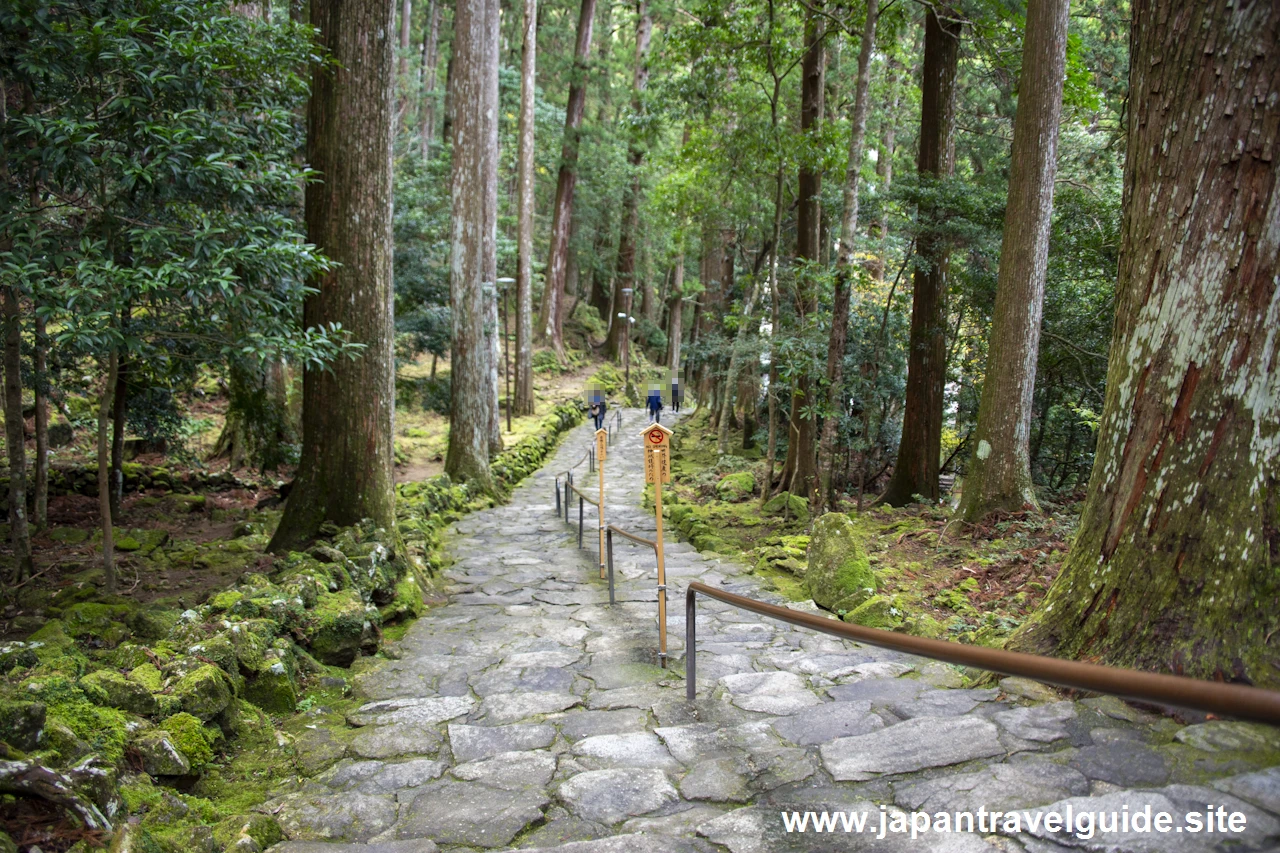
<point x="878" y="611"/>
<point x="736" y="487"/>
<point x="69" y="535"/>
<point x="407" y="603"/>
<point x="273" y="688"/>
<point x="22" y="724"/>
<point x="76" y="728"/>
<point x="263" y="829"/>
<point x="839" y="575"/>
<point x="158" y="755"/>
<point x="204" y="693"/>
<point x="111" y="689"/>
<point x="17" y="656"/>
<point x="191" y="737"/>
<point x="788" y="504"/>
<point x="147" y="675"/>
<point x="335" y="628"/>
<point x="98" y="623"/>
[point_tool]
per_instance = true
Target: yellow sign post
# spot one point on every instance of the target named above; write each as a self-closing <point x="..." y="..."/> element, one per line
<point x="602" y="444"/>
<point x="657" y="470"/>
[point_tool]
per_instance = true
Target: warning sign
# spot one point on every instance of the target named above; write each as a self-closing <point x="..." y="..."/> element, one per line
<point x="657" y="462"/>
<point x="602" y="443"/>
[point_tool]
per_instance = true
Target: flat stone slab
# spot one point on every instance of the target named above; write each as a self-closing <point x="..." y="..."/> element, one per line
<point x="422" y="712"/>
<point x="828" y="721"/>
<point x="510" y="771"/>
<point x="612" y="796"/>
<point x="913" y="745"/>
<point x="1220" y="735"/>
<point x="942" y="703"/>
<point x="1016" y="785"/>
<point x="878" y="691"/>
<point x="1042" y="723"/>
<point x="500" y="708"/>
<point x="471" y="814"/>
<point x="417" y="845"/>
<point x="396" y="740"/>
<point x="1122" y="763"/>
<point x="760" y="829"/>
<point x="633" y="843"/>
<point x="582" y="724"/>
<point x="1261" y="788"/>
<point x="720" y="780"/>
<point x="630" y="749"/>
<point x="472" y="743"/>
<point x="336" y="817"/>
<point x="378" y="777"/>
<point x="769" y="692"/>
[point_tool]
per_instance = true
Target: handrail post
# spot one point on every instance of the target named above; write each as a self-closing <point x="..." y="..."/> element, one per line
<point x="557" y="495"/>
<point x="608" y="539"/>
<point x="567" y="485"/>
<point x="579" y="522"/>
<point x="690" y="645"/>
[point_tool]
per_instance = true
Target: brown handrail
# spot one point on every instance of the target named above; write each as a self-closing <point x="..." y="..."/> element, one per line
<point x="1235" y="700"/>
<point x="662" y="587"/>
<point x="639" y="540"/>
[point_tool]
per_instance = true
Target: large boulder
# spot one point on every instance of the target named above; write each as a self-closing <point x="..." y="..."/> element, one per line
<point x="158" y="755"/>
<point x="336" y="627"/>
<point x="736" y="487"/>
<point x="788" y="504"/>
<point x="839" y="576"/>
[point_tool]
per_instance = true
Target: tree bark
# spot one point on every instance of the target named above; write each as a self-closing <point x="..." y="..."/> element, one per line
<point x="884" y="165"/>
<point x="775" y="318"/>
<point x="916" y="470"/>
<point x="119" y="413"/>
<point x="42" y="425"/>
<point x="430" y="59"/>
<point x="406" y="27"/>
<point x="524" y="263"/>
<point x="630" y="236"/>
<point x="800" y="471"/>
<point x="999" y="474"/>
<point x="489" y="234"/>
<point x="19" y="529"/>
<point x="474" y="193"/>
<point x="104" y="475"/>
<point x="345" y="472"/>
<point x="1174" y="565"/>
<point x="551" y="316"/>
<point x="844" y="263"/>
<point x="675" y="317"/>
<point x="731" y="377"/>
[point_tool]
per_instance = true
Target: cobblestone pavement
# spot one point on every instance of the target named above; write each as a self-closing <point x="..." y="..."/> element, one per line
<point x="529" y="713"/>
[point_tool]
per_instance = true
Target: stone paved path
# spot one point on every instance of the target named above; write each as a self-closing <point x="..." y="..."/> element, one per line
<point x="529" y="713"/>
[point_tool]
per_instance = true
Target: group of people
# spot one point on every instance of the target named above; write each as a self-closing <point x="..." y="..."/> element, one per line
<point x="653" y="402"/>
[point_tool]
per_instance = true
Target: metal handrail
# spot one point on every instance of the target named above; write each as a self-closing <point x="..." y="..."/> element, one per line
<point x="662" y="587"/>
<point x="1235" y="700"/>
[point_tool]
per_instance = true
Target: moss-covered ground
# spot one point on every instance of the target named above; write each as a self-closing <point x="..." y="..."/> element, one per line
<point x="935" y="578"/>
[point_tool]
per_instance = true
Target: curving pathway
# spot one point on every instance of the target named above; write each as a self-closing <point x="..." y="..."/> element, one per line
<point x="529" y="713"/>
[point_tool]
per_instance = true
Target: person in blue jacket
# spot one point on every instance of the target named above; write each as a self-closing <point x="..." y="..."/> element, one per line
<point x="654" y="404"/>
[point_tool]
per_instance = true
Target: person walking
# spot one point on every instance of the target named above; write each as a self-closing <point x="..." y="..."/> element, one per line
<point x="598" y="408"/>
<point x="675" y="394"/>
<point x="655" y="406"/>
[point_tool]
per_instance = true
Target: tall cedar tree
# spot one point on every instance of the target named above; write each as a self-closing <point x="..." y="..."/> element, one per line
<point x="551" y="315"/>
<point x="474" y="193"/>
<point x="1174" y="566"/>
<point x="620" y="328"/>
<point x="999" y="475"/>
<point x="345" y="471"/>
<point x="799" y="472"/>
<point x="916" y="470"/>
<point x="524" y="258"/>
<point x="844" y="260"/>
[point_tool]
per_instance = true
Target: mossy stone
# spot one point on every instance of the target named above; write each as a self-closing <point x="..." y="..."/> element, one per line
<point x="149" y="676"/>
<point x="736" y="487"/>
<point x="272" y="689"/>
<point x="104" y="623"/>
<point x="407" y="603"/>
<point x="875" y="612"/>
<point x="22" y="724"/>
<point x="112" y="690"/>
<point x="263" y="829"/>
<point x="191" y="737"/>
<point x="204" y="693"/>
<point x="74" y="728"/>
<point x="159" y="756"/>
<point x="336" y="627"/>
<point x="839" y="575"/>
<point x="186" y="503"/>
<point x="225" y="600"/>
<point x="794" y="505"/>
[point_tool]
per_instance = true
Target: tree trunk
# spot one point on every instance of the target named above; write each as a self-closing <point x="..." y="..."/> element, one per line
<point x="119" y="413"/>
<point x="775" y="318"/>
<point x="345" y="471"/>
<point x="884" y="166"/>
<point x="799" y="472"/>
<point x="430" y="59"/>
<point x="42" y="425"/>
<point x="474" y="192"/>
<point x="104" y="475"/>
<point x="1174" y="565"/>
<point x="999" y="474"/>
<point x="626" y="276"/>
<point x="489" y="234"/>
<point x="19" y="529"/>
<point x="524" y="262"/>
<point x="551" y="316"/>
<point x="731" y="377"/>
<point x="675" y="317"/>
<point x="916" y="470"/>
<point x="406" y="25"/>
<point x="844" y="264"/>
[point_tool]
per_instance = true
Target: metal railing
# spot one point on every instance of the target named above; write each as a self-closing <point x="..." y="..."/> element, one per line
<point x="662" y="583"/>
<point x="583" y="498"/>
<point x="1234" y="700"/>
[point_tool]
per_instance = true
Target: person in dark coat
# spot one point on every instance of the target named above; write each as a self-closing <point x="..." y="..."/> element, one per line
<point x="598" y="408"/>
<point x="655" y="405"/>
